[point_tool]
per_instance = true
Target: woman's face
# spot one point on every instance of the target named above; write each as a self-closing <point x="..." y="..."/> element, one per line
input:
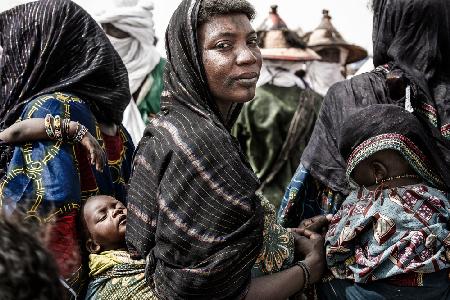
<point x="231" y="58"/>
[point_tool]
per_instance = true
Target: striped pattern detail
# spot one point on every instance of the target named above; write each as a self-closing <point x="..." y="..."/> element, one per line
<point x="195" y="215"/>
<point x="445" y="130"/>
<point x="192" y="204"/>
<point x="398" y="142"/>
<point x="429" y="113"/>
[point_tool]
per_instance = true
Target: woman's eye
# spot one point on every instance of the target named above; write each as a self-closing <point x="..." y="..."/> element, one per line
<point x="223" y="45"/>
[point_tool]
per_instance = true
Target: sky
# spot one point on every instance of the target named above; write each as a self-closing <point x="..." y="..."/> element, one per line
<point x="352" y="18"/>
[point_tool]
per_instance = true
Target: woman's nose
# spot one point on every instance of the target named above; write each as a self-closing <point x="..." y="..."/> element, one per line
<point x="246" y="56"/>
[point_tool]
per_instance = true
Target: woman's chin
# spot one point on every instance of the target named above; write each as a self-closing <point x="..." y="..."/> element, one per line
<point x="244" y="96"/>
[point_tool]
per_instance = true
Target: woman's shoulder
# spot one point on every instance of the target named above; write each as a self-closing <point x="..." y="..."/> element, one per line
<point x="63" y="104"/>
<point x="55" y="103"/>
<point x="364" y="89"/>
<point x="184" y="126"/>
<point x="177" y="133"/>
<point x="369" y="80"/>
<point x="57" y="96"/>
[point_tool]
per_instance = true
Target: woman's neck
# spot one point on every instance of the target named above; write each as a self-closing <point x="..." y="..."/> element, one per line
<point x="224" y="109"/>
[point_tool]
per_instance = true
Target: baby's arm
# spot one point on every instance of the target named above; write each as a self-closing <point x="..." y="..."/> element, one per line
<point x="34" y="130"/>
<point x="25" y="131"/>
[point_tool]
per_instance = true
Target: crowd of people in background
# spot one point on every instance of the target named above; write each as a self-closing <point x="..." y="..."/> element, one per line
<point x="243" y="165"/>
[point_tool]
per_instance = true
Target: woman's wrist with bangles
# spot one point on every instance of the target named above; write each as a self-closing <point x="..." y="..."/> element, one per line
<point x="306" y="273"/>
<point x="63" y="129"/>
<point x="304" y="280"/>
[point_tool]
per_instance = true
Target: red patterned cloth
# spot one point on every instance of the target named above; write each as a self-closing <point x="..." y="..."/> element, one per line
<point x="63" y="244"/>
<point x="389" y="232"/>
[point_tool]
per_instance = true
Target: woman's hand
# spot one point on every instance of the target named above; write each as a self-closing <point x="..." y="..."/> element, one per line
<point x="97" y="156"/>
<point x="310" y="247"/>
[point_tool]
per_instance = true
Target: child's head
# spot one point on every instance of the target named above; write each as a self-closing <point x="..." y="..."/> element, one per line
<point x="104" y="219"/>
<point x="382" y="141"/>
<point x="381" y="165"/>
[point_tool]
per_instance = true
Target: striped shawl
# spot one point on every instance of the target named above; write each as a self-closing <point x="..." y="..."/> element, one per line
<point x="192" y="210"/>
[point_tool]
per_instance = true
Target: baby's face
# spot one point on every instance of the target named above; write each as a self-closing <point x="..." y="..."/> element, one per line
<point x="106" y="219"/>
<point x="363" y="174"/>
<point x="381" y="165"/>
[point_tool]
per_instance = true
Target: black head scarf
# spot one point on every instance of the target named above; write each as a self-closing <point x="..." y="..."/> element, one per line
<point x="54" y="45"/>
<point x="385" y="122"/>
<point x="184" y="76"/>
<point x="192" y="208"/>
<point x="414" y="35"/>
<point x="411" y="36"/>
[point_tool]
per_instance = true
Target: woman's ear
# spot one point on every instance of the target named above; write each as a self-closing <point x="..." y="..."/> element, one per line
<point x="92" y="246"/>
<point x="379" y="170"/>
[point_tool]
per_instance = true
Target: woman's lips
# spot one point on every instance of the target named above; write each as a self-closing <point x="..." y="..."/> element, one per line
<point x="247" y="79"/>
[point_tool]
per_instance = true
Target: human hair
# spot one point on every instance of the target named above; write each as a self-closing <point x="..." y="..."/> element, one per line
<point x="27" y="269"/>
<point x="85" y="235"/>
<point x="211" y="8"/>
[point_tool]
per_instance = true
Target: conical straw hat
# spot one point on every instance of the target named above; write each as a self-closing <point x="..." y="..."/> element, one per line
<point x="275" y="37"/>
<point x="327" y="35"/>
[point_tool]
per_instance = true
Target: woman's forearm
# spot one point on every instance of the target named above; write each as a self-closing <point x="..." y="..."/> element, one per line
<point x="277" y="286"/>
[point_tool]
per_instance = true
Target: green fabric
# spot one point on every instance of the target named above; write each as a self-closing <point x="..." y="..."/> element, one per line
<point x="277" y="252"/>
<point x="151" y="102"/>
<point x="261" y="130"/>
<point x="115" y="276"/>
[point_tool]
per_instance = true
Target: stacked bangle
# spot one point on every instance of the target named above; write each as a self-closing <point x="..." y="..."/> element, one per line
<point x="57" y="128"/>
<point x="81" y="132"/>
<point x="65" y="129"/>
<point x="307" y="271"/>
<point x="76" y="131"/>
<point x="48" y="126"/>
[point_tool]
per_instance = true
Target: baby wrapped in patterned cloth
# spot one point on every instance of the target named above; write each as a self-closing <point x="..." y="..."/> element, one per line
<point x="115" y="275"/>
<point x="394" y="225"/>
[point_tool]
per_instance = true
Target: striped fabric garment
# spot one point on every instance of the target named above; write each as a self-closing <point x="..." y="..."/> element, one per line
<point x="192" y="209"/>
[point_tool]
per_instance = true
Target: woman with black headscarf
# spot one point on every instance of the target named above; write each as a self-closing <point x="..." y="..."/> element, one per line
<point x="411" y="45"/>
<point x="193" y="212"/>
<point x="57" y="64"/>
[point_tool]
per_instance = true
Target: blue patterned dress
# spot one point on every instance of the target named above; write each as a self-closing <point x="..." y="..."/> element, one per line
<point x="48" y="180"/>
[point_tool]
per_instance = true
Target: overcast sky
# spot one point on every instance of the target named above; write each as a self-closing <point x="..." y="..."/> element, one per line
<point x="352" y="18"/>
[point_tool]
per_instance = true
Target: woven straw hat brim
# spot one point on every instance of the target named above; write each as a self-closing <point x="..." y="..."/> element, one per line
<point x="290" y="54"/>
<point x="356" y="53"/>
